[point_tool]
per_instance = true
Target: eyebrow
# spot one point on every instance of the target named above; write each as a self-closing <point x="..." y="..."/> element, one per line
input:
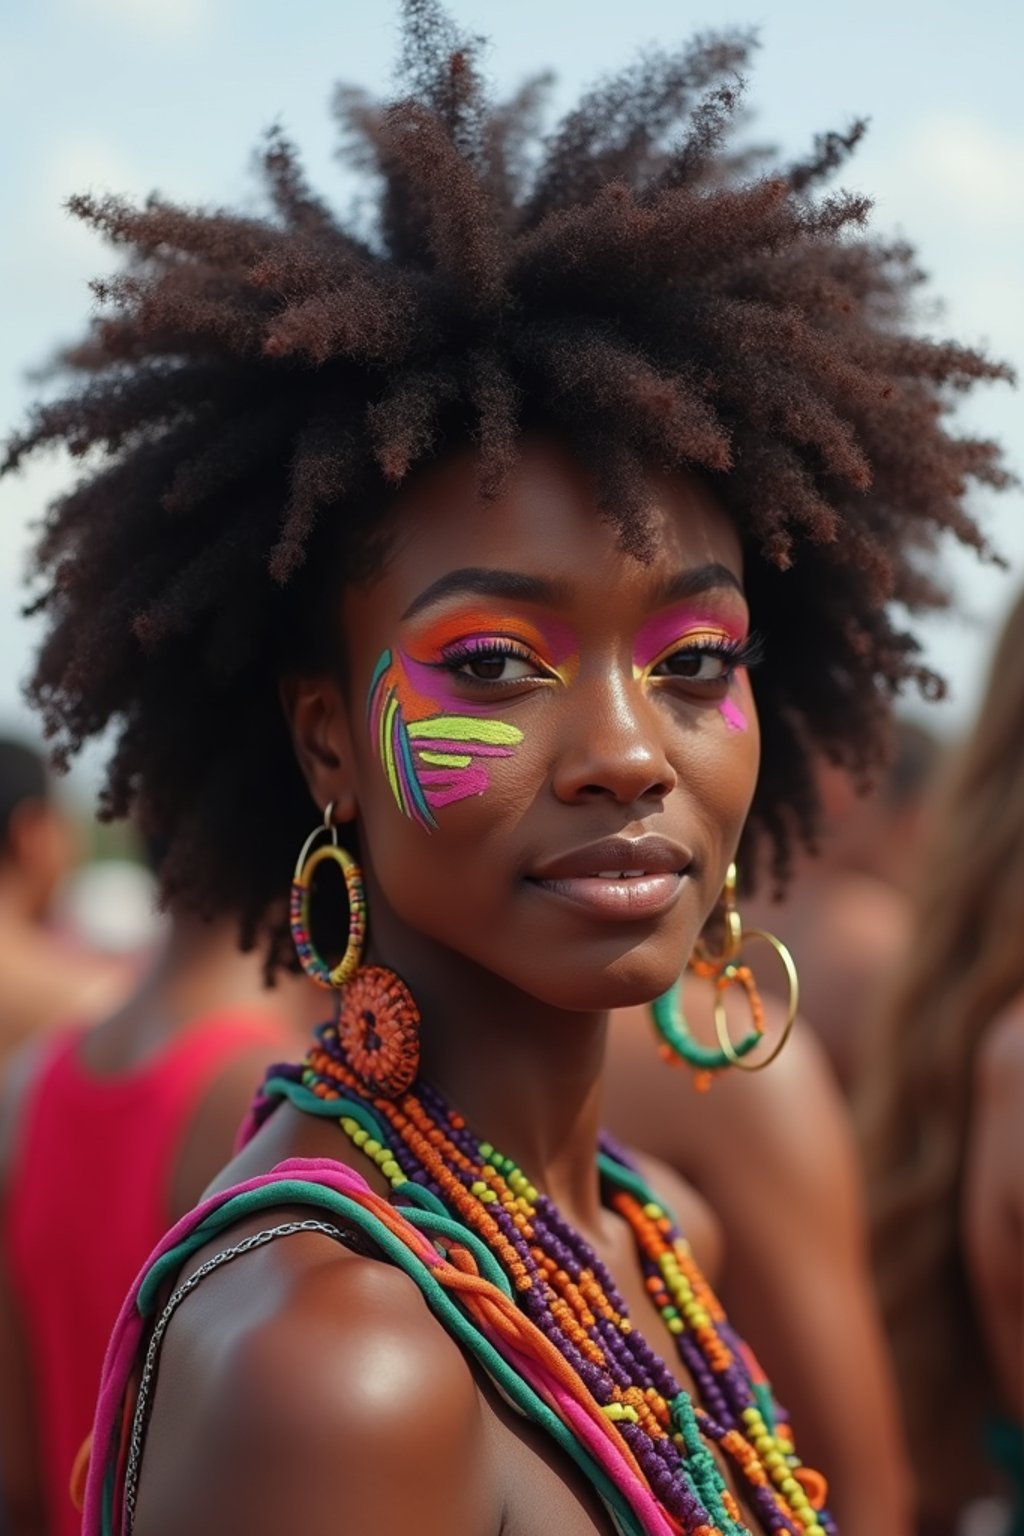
<point x="483" y="582"/>
<point x="703" y="578"/>
<point x="517" y="586"/>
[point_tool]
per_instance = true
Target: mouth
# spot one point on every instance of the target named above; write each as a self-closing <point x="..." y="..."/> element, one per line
<point x="620" y="879"/>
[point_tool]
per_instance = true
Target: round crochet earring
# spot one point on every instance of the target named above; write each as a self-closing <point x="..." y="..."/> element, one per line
<point x="378" y="1027"/>
<point x="315" y="967"/>
<point x="724" y="970"/>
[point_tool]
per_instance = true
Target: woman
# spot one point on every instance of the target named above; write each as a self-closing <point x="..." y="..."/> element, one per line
<point x="943" y="1124"/>
<point x="451" y="540"/>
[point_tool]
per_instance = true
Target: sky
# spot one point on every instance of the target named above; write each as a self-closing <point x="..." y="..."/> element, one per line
<point x="173" y="95"/>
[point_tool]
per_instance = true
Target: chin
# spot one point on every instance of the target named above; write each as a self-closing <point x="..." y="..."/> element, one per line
<point x="627" y="981"/>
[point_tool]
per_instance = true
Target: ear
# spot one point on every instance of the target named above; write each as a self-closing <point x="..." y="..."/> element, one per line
<point x="316" y="714"/>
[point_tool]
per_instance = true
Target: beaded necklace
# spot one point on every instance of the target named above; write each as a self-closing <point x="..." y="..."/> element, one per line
<point x="566" y="1292"/>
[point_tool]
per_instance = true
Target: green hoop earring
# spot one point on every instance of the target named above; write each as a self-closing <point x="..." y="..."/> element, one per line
<point x="723" y="970"/>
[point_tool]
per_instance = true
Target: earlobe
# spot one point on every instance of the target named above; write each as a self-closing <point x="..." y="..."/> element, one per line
<point x="318" y="722"/>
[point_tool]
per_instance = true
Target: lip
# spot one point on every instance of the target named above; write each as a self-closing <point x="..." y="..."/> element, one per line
<point x="651" y="872"/>
<point x="649" y="854"/>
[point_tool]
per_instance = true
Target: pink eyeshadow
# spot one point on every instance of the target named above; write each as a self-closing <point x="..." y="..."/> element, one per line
<point x="664" y="629"/>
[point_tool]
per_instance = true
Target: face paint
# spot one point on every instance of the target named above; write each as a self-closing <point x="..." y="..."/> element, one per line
<point x="431" y="758"/>
<point x="549" y="641"/>
<point x="433" y="743"/>
<point x="678" y="629"/>
<point x="733" y="716"/>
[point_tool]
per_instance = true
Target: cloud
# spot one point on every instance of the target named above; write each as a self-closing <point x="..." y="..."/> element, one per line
<point x="164" y="20"/>
<point x="975" y="169"/>
<point x="953" y="183"/>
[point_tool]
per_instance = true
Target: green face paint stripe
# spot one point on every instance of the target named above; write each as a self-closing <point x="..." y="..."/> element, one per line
<point x="466" y="728"/>
<point x="382" y="710"/>
<point x="389" y="754"/>
<point x="444" y="759"/>
<point x="378" y="672"/>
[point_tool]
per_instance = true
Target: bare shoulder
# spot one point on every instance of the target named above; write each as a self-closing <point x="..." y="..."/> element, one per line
<point x="785" y="1114"/>
<point x="800" y="1074"/>
<point x="790" y="1129"/>
<point x="1000" y="1063"/>
<point x="300" y="1374"/>
<point x="209" y="1140"/>
<point x="865" y="921"/>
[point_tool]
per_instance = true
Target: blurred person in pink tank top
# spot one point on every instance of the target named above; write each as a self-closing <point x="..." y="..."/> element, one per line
<point x="107" y="1135"/>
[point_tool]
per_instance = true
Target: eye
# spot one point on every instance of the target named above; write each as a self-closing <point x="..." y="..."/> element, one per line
<point x="698" y="664"/>
<point x="493" y="661"/>
<point x="496" y="669"/>
<point x="709" y="661"/>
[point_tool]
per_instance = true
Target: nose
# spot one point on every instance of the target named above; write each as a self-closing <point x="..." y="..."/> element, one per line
<point x="614" y="746"/>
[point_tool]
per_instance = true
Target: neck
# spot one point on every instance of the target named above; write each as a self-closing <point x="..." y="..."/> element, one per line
<point x="526" y="1076"/>
<point x="200" y="968"/>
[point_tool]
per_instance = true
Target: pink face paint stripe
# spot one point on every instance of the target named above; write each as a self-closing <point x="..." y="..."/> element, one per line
<point x="470" y="781"/>
<point x="460" y="748"/>
<point x="733" y="716"/>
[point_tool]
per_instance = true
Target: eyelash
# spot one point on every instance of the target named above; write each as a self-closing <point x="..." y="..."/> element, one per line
<point x="737" y="654"/>
<point x="499" y="649"/>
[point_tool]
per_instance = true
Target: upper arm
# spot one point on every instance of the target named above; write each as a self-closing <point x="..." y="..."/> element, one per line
<point x="317" y="1395"/>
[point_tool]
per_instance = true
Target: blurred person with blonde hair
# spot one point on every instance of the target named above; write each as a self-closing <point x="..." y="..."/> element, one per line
<point x="944" y="1125"/>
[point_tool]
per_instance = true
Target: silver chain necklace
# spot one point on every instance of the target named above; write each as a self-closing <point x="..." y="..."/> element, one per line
<point x="135" y="1443"/>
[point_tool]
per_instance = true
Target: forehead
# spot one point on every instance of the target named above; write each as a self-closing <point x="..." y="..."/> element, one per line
<point x="547" y="522"/>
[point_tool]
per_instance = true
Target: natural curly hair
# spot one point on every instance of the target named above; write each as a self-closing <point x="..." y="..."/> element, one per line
<point x="252" y="387"/>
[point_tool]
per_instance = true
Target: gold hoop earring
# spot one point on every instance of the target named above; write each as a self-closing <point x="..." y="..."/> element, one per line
<point x="723" y="970"/>
<point x="314" y="965"/>
<point x="733" y="1054"/>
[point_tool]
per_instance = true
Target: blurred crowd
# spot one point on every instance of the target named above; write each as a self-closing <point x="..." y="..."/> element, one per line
<point x="861" y="1205"/>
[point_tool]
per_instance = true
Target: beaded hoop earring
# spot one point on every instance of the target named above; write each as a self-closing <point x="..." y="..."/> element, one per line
<point x="724" y="970"/>
<point x="315" y="967"/>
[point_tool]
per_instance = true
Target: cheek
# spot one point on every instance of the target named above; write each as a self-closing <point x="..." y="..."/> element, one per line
<point x="741" y="739"/>
<point x="432" y="753"/>
<point x="451" y="882"/>
<point x="444" y="788"/>
<point x="721" y="762"/>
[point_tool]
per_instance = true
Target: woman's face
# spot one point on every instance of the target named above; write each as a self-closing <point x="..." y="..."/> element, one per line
<point x="550" y="746"/>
